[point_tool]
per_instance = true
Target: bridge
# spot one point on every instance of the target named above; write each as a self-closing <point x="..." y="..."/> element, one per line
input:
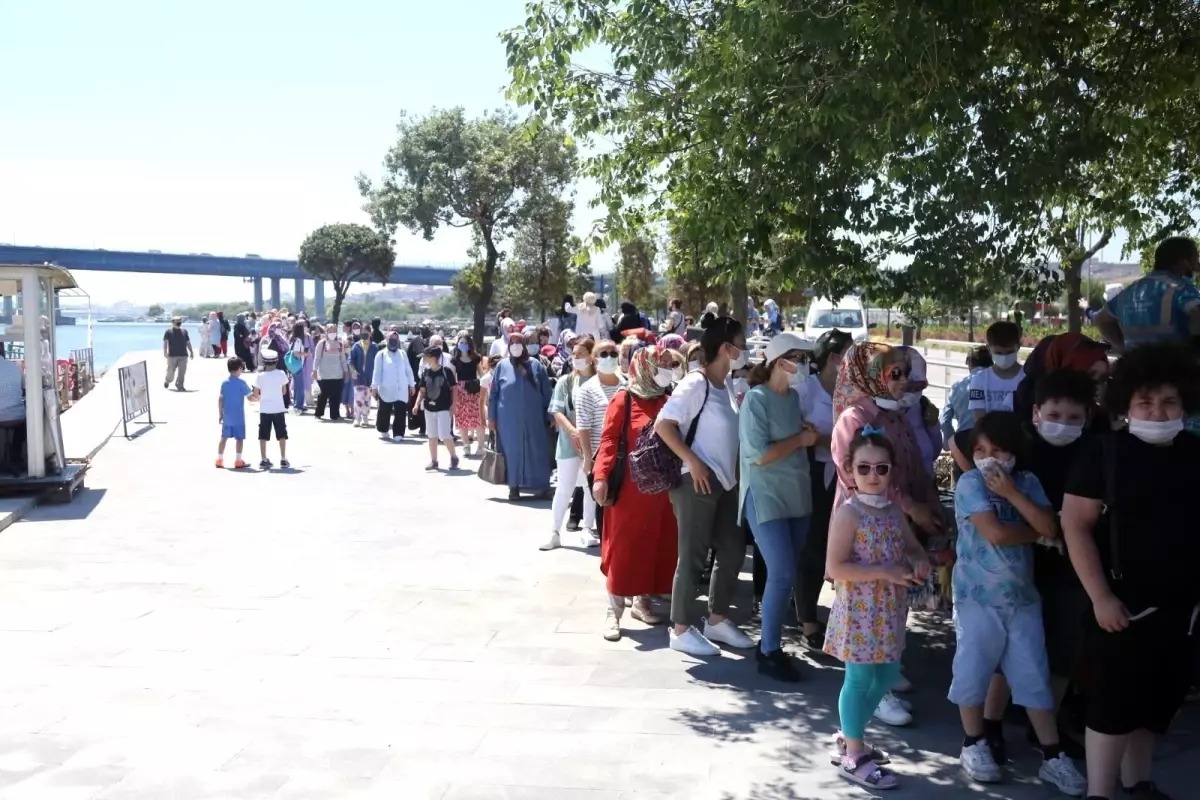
<point x="249" y="268"/>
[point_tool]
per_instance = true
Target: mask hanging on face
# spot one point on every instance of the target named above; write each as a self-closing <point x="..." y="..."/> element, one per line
<point x="873" y="500"/>
<point x="910" y="399"/>
<point x="887" y="403"/>
<point x="1057" y="433"/>
<point x="1152" y="432"/>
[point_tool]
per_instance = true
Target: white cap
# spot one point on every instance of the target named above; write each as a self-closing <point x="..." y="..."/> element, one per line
<point x="267" y="354"/>
<point x="507" y="323"/>
<point x="785" y="343"/>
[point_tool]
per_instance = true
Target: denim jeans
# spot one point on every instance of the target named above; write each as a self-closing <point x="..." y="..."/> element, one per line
<point x="780" y="542"/>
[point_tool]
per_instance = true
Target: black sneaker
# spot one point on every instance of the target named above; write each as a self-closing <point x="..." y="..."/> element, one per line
<point x="514" y="495"/>
<point x="265" y="464"/>
<point x="778" y="665"/>
<point x="285" y="464"/>
<point x="814" y="641"/>
<point x="1146" y="790"/>
<point x="454" y="463"/>
<point x="573" y="526"/>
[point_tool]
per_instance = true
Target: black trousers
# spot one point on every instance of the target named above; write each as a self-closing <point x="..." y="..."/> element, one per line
<point x="396" y="412"/>
<point x="331" y="393"/>
<point x="599" y="512"/>
<point x="810" y="572"/>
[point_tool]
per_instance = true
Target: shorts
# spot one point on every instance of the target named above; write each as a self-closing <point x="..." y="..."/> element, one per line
<point x="268" y="421"/>
<point x="233" y="431"/>
<point x="439" y="425"/>
<point x="1009" y="638"/>
<point x="1138" y="677"/>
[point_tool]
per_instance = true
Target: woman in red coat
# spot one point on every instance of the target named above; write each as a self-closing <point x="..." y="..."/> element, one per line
<point x="639" y="550"/>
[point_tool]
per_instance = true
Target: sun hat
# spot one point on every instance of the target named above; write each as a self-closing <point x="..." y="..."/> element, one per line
<point x="785" y="343"/>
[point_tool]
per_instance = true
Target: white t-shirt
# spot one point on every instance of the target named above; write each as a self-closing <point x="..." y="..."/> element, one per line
<point x="499" y="347"/>
<point x="816" y="408"/>
<point x="270" y="386"/>
<point x="987" y="391"/>
<point x="716" y="442"/>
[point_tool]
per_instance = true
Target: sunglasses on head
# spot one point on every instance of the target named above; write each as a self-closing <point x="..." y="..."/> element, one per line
<point x="879" y="469"/>
<point x="608" y="354"/>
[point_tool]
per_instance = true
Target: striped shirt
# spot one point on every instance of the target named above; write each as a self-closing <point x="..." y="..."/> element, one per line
<point x="591" y="402"/>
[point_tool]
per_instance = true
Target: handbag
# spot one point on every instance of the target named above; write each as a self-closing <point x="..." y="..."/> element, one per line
<point x="416" y="419"/>
<point x="472" y="386"/>
<point x="293" y="362"/>
<point x="493" y="468"/>
<point x="616" y="477"/>
<point x="653" y="465"/>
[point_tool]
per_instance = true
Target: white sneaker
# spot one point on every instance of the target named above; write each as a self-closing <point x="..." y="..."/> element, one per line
<point x="589" y="538"/>
<point x="978" y="763"/>
<point x="693" y="643"/>
<point x="727" y="633"/>
<point x="890" y="712"/>
<point x="902" y="684"/>
<point x="612" y="625"/>
<point x="553" y="544"/>
<point x="907" y="706"/>
<point x="1062" y="773"/>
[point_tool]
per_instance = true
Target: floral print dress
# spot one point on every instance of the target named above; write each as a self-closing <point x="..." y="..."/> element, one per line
<point x="866" y="623"/>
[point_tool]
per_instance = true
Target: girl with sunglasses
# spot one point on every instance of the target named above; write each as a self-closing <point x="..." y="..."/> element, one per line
<point x="873" y="558"/>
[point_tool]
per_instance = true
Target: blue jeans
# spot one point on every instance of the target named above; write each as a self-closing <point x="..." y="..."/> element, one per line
<point x="780" y="542"/>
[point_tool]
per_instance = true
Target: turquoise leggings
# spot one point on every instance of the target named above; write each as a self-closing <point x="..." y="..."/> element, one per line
<point x="864" y="686"/>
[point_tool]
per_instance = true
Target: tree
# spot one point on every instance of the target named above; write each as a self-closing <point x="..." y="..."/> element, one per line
<point x="446" y="170"/>
<point x="539" y="273"/>
<point x="635" y="271"/>
<point x="155" y="311"/>
<point x="344" y="253"/>
<point x="850" y="131"/>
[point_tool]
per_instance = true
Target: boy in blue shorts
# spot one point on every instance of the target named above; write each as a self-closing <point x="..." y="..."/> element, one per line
<point x="231" y="412"/>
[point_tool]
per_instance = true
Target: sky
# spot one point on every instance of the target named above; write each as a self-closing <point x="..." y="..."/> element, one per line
<point x="224" y="127"/>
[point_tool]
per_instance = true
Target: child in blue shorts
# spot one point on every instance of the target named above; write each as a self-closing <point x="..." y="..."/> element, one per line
<point x="231" y="412"/>
<point x="1001" y="513"/>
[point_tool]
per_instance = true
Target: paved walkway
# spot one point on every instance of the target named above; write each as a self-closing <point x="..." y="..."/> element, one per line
<point x="359" y="628"/>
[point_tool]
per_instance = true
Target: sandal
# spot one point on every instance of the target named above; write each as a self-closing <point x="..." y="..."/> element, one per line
<point x="839" y="751"/>
<point x="865" y="772"/>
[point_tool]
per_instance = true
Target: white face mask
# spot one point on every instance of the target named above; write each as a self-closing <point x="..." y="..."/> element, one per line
<point x="331" y="336"/>
<point x="693" y="366"/>
<point x="740" y="361"/>
<point x="887" y="403"/>
<point x="910" y="399"/>
<point x="1152" y="432"/>
<point x="991" y="462"/>
<point x="1004" y="360"/>
<point x="607" y="365"/>
<point x="664" y="377"/>
<point x="796" y="378"/>
<point x="740" y="385"/>
<point x="873" y="500"/>
<point x="581" y="364"/>
<point x="1058" y="433"/>
<point x="516" y="349"/>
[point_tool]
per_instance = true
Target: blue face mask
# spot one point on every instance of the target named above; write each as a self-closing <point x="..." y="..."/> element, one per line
<point x="463" y="347"/>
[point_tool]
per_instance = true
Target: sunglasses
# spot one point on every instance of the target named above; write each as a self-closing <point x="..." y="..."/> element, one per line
<point x="898" y="373"/>
<point x="879" y="469"/>
<point x="608" y="354"/>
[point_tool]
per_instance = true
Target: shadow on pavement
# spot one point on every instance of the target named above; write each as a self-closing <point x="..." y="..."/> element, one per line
<point x="84" y="503"/>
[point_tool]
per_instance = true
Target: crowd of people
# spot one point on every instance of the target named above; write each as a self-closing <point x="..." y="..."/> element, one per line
<point x="1064" y="553"/>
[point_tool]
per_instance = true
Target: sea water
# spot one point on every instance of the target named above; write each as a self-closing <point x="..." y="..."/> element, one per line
<point x="111" y="340"/>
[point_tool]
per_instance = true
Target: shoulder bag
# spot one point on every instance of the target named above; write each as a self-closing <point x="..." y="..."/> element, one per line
<point x="493" y="468"/>
<point x="653" y="465"/>
<point x="616" y="477"/>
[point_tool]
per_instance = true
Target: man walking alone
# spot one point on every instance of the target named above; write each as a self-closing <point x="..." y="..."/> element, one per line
<point x="177" y="349"/>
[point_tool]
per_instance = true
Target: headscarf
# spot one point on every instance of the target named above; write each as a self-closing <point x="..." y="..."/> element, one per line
<point x="861" y="374"/>
<point x="672" y="341"/>
<point x="642" y="370"/>
<point x="1073" y="351"/>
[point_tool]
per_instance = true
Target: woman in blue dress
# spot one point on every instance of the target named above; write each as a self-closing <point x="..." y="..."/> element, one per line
<point x="517" y="410"/>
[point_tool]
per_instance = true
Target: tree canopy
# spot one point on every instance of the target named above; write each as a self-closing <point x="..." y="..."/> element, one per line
<point x="344" y="253"/>
<point x="828" y="139"/>
<point x="447" y="170"/>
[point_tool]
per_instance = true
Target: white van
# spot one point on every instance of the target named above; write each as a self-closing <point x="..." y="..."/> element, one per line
<point x="846" y="315"/>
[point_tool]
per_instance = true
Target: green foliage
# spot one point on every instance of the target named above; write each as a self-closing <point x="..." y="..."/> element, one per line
<point x="343" y="253"/>
<point x="231" y="308"/>
<point x="820" y="140"/>
<point x="540" y="270"/>
<point x="635" y="271"/>
<point x="155" y="311"/>
<point x="446" y="170"/>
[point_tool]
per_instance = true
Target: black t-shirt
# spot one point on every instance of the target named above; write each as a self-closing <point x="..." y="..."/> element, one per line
<point x="177" y="342"/>
<point x="466" y="370"/>
<point x="436" y="383"/>
<point x="1051" y="465"/>
<point x="1153" y="504"/>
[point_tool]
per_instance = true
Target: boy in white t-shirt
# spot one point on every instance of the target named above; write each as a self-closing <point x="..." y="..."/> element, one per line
<point x="992" y="389"/>
<point x="269" y="389"/>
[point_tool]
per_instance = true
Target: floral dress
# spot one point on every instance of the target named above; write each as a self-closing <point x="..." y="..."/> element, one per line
<point x="866" y="623"/>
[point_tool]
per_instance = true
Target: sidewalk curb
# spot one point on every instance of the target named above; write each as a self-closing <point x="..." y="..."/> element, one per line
<point x="14" y="509"/>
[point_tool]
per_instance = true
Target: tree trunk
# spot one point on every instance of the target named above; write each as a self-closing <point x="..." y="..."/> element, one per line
<point x="1073" y="276"/>
<point x="971" y="324"/>
<point x="340" y="288"/>
<point x="740" y="292"/>
<point x="487" y="284"/>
